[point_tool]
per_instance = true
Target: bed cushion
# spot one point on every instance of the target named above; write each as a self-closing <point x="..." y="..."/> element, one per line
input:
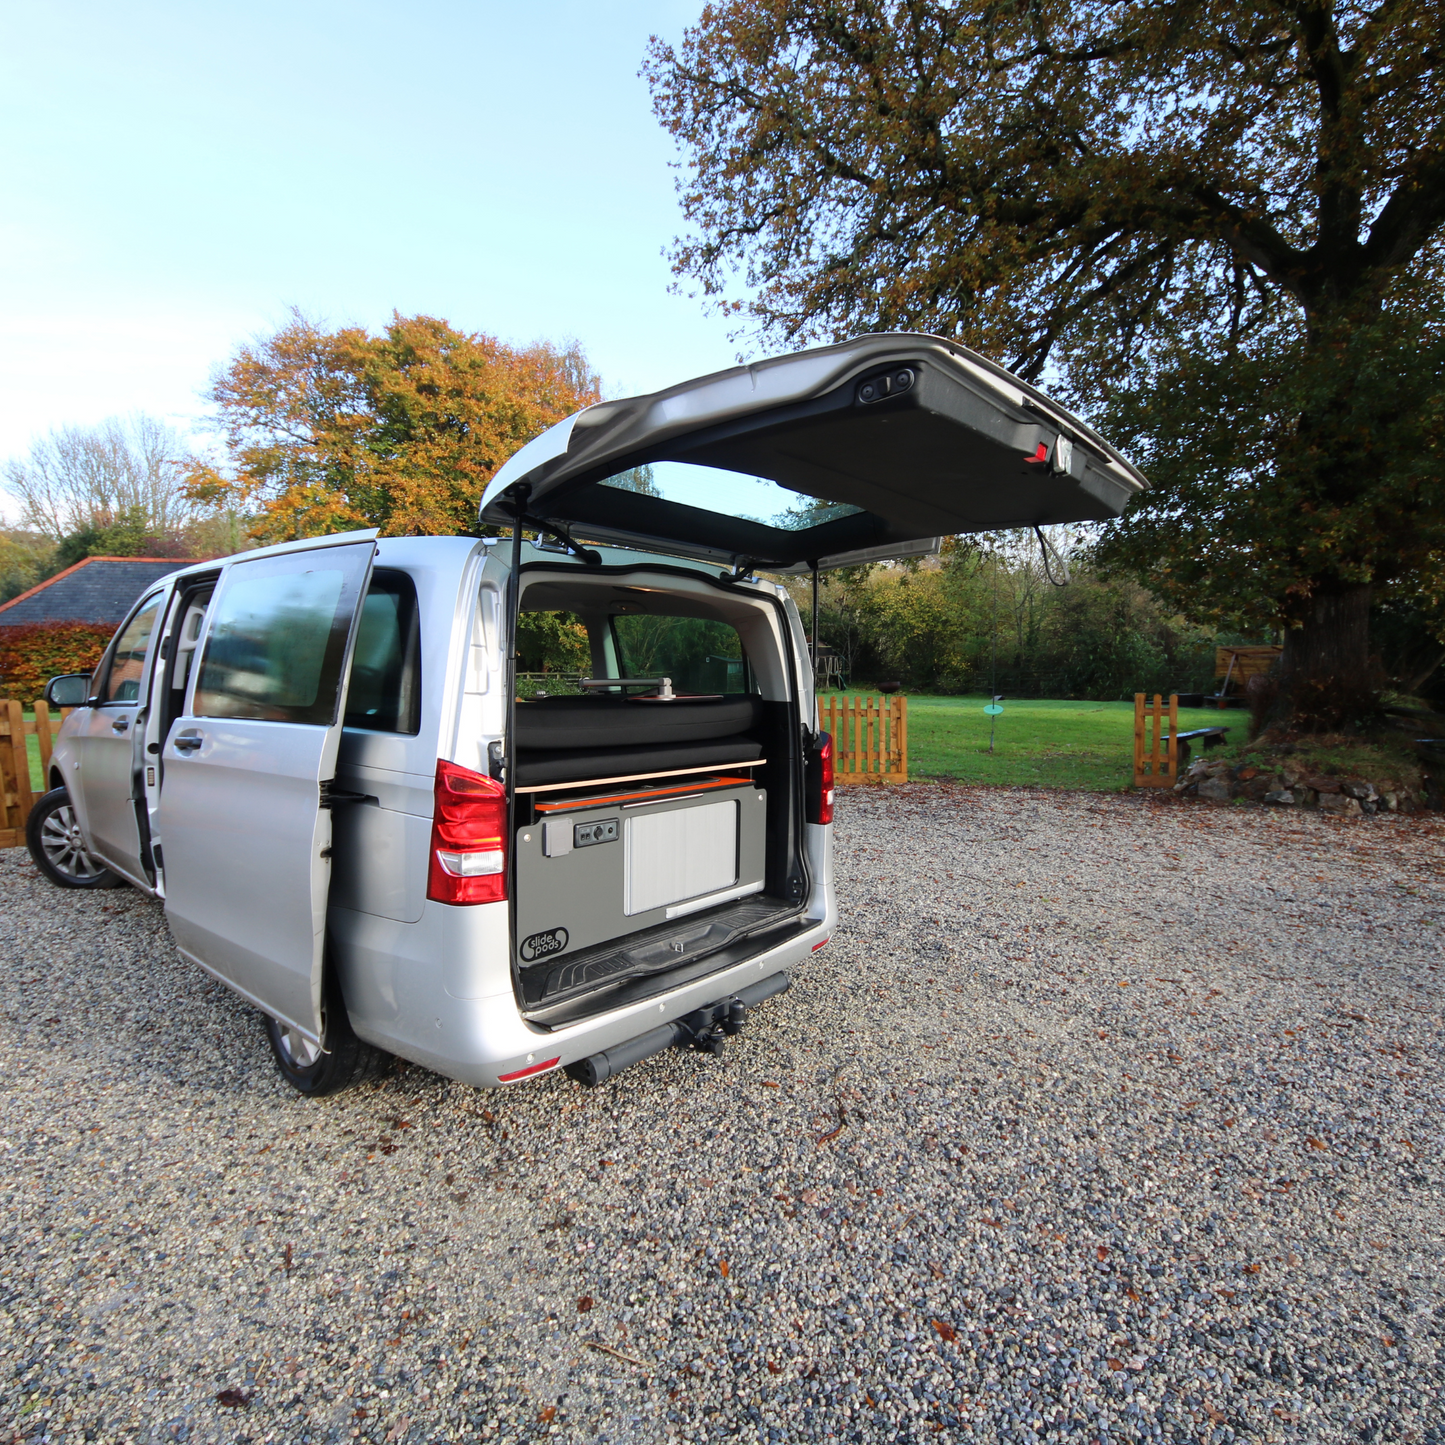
<point x="602" y="721"/>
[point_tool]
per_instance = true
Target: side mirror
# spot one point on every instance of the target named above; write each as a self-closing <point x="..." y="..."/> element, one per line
<point x="71" y="690"/>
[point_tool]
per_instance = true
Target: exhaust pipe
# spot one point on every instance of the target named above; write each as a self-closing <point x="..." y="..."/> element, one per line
<point x="703" y="1029"/>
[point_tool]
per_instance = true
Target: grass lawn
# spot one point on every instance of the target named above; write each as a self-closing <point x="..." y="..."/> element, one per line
<point x="1038" y="743"/>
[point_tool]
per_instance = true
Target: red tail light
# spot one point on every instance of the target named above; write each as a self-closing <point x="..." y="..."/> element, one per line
<point x="820" y="776"/>
<point x="468" y="838"/>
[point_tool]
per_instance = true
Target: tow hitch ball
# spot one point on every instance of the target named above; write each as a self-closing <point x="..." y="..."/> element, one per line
<point x="703" y="1029"/>
<point x="707" y="1028"/>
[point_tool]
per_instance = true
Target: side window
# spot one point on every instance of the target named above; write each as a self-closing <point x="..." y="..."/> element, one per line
<point x="278" y="634"/>
<point x="128" y="655"/>
<point x="697" y="653"/>
<point x="385" y="691"/>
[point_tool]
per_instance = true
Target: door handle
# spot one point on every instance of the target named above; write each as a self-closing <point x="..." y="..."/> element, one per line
<point x="188" y="742"/>
<point x="120" y="725"/>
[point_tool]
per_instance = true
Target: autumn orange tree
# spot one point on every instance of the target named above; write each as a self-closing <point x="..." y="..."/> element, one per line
<point x="1215" y="225"/>
<point x="332" y="429"/>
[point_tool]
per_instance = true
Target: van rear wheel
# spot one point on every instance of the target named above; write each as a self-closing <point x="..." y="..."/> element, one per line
<point x="337" y="1062"/>
<point x="53" y="837"/>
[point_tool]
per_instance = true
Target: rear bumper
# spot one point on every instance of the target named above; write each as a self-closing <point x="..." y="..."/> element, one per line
<point x="402" y="988"/>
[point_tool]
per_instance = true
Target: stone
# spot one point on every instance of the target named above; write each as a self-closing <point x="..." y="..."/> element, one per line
<point x="1280" y="797"/>
<point x="1245" y="774"/>
<point x="1392" y="801"/>
<point x="1340" y="804"/>
<point x="1322" y="784"/>
<point x="1216" y="789"/>
<point x="1360" y="788"/>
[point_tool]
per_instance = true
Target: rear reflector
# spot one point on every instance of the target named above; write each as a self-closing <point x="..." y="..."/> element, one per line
<point x="530" y="1069"/>
<point x="817" y="946"/>
<point x="468" y="849"/>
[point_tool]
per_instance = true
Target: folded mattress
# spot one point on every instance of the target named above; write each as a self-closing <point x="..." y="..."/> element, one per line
<point x="579" y="765"/>
<point x="598" y="721"/>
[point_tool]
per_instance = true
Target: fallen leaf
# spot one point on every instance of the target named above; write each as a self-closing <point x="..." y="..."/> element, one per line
<point x="946" y="1331"/>
<point x="722" y="1265"/>
<point x="769" y="1084"/>
<point x="1123" y="983"/>
<point x="584" y="1304"/>
<point x="1317" y="1144"/>
<point x="1387" y="1340"/>
<point x="547" y="1415"/>
<point x="1288" y="1416"/>
<point x="773" y="1369"/>
<point x="232" y="1399"/>
<point x="870" y="1402"/>
<point x="1114" y="1364"/>
<point x="1217" y="1416"/>
<point x="1133" y="1295"/>
<point x="1102" y="1252"/>
<point x="1253" y="1268"/>
<point x="936" y="1272"/>
<point x="992" y="1223"/>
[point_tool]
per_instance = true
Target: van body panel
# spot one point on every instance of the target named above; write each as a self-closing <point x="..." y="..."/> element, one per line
<point x="397" y="998"/>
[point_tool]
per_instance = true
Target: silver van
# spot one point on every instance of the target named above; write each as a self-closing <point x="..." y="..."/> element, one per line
<point x="316" y="755"/>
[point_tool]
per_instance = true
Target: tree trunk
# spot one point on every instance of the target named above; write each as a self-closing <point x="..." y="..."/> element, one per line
<point x="1325" y="675"/>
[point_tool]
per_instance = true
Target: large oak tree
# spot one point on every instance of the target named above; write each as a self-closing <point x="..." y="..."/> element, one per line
<point x="1216" y="225"/>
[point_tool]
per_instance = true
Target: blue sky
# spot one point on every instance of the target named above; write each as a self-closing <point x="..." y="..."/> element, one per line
<point x="176" y="175"/>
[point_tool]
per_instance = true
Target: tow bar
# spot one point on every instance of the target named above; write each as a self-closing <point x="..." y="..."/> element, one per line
<point x="703" y="1030"/>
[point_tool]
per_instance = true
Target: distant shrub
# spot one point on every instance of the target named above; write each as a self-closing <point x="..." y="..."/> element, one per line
<point x="34" y="653"/>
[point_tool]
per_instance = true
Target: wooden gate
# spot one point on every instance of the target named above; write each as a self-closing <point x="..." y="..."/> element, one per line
<point x="1156" y="749"/>
<point x="16" y="789"/>
<point x="870" y="737"/>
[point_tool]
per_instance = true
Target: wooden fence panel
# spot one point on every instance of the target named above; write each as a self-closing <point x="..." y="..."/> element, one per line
<point x="1156" y="748"/>
<point x="870" y="738"/>
<point x="17" y="794"/>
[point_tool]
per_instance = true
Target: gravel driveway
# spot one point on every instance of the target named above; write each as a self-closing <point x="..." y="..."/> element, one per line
<point x="1100" y="1119"/>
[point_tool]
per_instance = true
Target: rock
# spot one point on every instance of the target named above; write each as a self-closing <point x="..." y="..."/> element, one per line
<point x="1305" y="797"/>
<point x="1280" y="797"/>
<point x="1245" y="774"/>
<point x="1360" y="788"/>
<point x="1322" y="784"/>
<point x="1392" y="801"/>
<point x="1199" y="768"/>
<point x="1216" y="789"/>
<point x="1340" y="804"/>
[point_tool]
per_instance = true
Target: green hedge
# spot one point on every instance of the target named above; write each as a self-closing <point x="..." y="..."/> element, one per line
<point x="34" y="653"/>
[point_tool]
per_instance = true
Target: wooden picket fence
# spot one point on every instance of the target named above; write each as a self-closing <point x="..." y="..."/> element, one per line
<point x="870" y="737"/>
<point x="15" y="787"/>
<point x="1156" y="748"/>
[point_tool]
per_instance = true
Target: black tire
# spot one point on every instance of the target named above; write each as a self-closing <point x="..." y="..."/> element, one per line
<point x="341" y="1061"/>
<point x="53" y="838"/>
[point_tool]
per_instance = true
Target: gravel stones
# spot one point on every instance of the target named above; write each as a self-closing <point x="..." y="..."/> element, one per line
<point x="1100" y="1119"/>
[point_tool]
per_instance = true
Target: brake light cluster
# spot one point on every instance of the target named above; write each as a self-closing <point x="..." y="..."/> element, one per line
<point x="468" y="838"/>
<point x="821" y="809"/>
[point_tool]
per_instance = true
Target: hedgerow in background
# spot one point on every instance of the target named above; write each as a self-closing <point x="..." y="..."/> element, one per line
<point x="31" y="655"/>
